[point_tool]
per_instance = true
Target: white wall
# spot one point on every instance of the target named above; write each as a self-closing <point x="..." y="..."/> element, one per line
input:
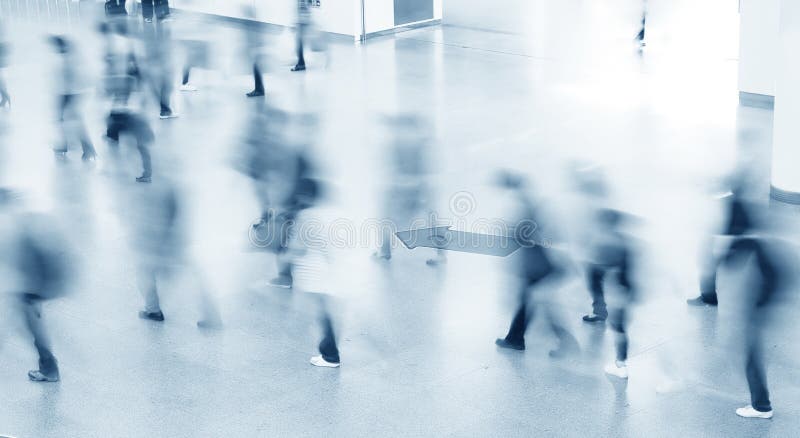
<point x="337" y="16"/>
<point x="378" y="15"/>
<point x="786" y="131"/>
<point x="758" y="46"/>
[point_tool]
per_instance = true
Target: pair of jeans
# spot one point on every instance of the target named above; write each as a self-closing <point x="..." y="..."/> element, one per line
<point x="159" y="8"/>
<point x="120" y="122"/>
<point x="754" y="366"/>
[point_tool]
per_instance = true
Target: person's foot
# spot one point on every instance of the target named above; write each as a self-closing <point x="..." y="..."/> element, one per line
<point x="144" y="179"/>
<point x="593" y="318"/>
<point x="299" y="67"/>
<point x="750" y="412"/>
<point x="255" y="93"/>
<point x="60" y="153"/>
<point x="319" y="361"/>
<point x="700" y="302"/>
<point x="38" y="376"/>
<point x="436" y="262"/>
<point x="381" y="256"/>
<point x="148" y="20"/>
<point x="503" y="343"/>
<point x="188" y="87"/>
<point x="89" y="157"/>
<point x="167" y="114"/>
<point x="283" y="281"/>
<point x="617" y="369"/>
<point x="152" y="316"/>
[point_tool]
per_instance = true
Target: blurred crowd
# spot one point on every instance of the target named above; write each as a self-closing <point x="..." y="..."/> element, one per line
<point x="139" y="53"/>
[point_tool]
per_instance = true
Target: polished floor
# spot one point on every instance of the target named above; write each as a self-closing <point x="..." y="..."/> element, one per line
<point x="416" y="341"/>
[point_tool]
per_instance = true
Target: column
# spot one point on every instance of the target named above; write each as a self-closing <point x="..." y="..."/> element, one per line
<point x="785" y="184"/>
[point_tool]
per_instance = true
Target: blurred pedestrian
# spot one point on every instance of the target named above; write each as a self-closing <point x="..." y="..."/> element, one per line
<point x="72" y="87"/>
<point x="301" y="31"/>
<point x="123" y="78"/>
<point x="36" y="252"/>
<point x="254" y="47"/>
<point x="536" y="270"/>
<point x="612" y="265"/>
<point x="158" y="9"/>
<point x="159" y="238"/>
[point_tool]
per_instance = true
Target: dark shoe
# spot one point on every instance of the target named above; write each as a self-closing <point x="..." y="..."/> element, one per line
<point x="284" y="281"/>
<point x="299" y="67"/>
<point x="38" y="376"/>
<point x="144" y="179"/>
<point x="700" y="302"/>
<point x="593" y="318"/>
<point x="152" y="316"/>
<point x="377" y="255"/>
<point x="255" y="93"/>
<point x="503" y="343"/>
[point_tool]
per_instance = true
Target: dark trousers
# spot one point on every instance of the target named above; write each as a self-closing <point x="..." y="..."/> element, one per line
<point x="525" y="313"/>
<point x="125" y="122"/>
<point x="187" y="69"/>
<point x="640" y="35"/>
<point x="327" y="347"/>
<point x="32" y="308"/>
<point x="259" y="82"/>
<point x="595" y="275"/>
<point x="618" y="322"/>
<point x="300" y="36"/>
<point x="755" y="370"/>
<point x="69" y="113"/>
<point x="708" y="282"/>
<point x="158" y="7"/>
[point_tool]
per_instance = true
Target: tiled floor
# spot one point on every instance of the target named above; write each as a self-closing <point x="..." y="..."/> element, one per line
<point x="417" y="342"/>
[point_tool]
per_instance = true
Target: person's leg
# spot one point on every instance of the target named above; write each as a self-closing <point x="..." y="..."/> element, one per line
<point x="515" y="338"/>
<point x="144" y="137"/>
<point x="147" y="286"/>
<point x="5" y="98"/>
<point x="708" y="283"/>
<point x="161" y="9"/>
<point x="327" y="346"/>
<point x="63" y="110"/>
<point x="283" y="258"/>
<point x="147" y="10"/>
<point x="80" y="128"/>
<point x="299" y="37"/>
<point x="257" y="78"/>
<point x="617" y="321"/>
<point x="48" y="365"/>
<point x="595" y="276"/>
<point x="187" y="69"/>
<point x="258" y="89"/>
<point x="567" y="344"/>
<point x="756" y="373"/>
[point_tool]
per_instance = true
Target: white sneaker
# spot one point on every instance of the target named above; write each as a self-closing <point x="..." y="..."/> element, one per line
<point x="614" y="369"/>
<point x="318" y="361"/>
<point x="188" y="87"/>
<point x="750" y="412"/>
